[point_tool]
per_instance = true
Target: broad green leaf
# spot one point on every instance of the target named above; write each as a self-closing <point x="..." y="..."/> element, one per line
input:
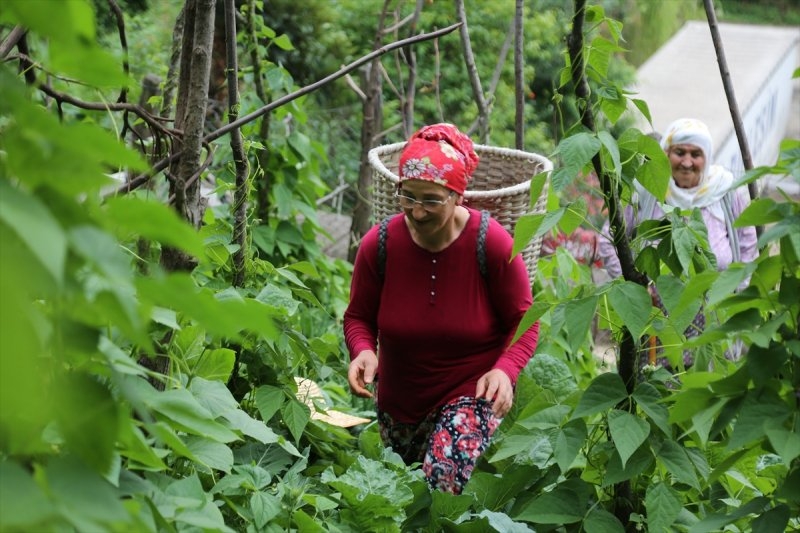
<point x="640" y="461"/>
<point x="180" y="407"/>
<point x="718" y="521"/>
<point x="62" y="21"/>
<point x="601" y="521"/>
<point x="579" y="314"/>
<point x="575" y="151"/>
<point x="93" y="504"/>
<point x="655" y="173"/>
<point x="269" y="400"/>
<point x="663" y="507"/>
<point x="88" y="419"/>
<point x="163" y="432"/>
<point x="648" y="400"/>
<point x="213" y="395"/>
<point x="305" y="522"/>
<point x="687" y="403"/>
<point x="36" y="227"/>
<point x="141" y="453"/>
<point x="785" y="442"/>
<point x="760" y="212"/>
<point x="502" y="522"/>
<point x="216" y="364"/>
<point x="449" y="506"/>
<point x="568" y="442"/>
<point x="610" y="144"/>
<point x="241" y="421"/>
<point x="130" y="216"/>
<point x="296" y="416"/>
<point x="538" y="184"/>
<point x="604" y="392"/>
<point x="628" y="433"/>
<point x="632" y="303"/>
<point x="226" y="318"/>
<point x="561" y="506"/>
<point x="547" y="418"/>
<point x="776" y="519"/>
<point x="553" y="374"/>
<point x="209" y="453"/>
<point x="25" y="506"/>
<point x="495" y="490"/>
<point x="677" y="463"/>
<point x="525" y="449"/>
<point x="264" y="507"/>
<point x="760" y="407"/>
<point x="574" y="215"/>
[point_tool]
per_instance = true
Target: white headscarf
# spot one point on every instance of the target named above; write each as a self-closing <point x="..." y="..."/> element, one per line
<point x="715" y="180"/>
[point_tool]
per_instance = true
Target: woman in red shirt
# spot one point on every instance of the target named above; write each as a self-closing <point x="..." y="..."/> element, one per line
<point x="426" y="319"/>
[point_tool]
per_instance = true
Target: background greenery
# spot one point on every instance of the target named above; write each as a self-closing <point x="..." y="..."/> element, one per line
<point x="91" y="438"/>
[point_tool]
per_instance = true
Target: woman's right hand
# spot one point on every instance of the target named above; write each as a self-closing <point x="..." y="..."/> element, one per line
<point x="361" y="373"/>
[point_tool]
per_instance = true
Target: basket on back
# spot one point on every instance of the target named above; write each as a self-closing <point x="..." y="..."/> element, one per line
<point x="501" y="185"/>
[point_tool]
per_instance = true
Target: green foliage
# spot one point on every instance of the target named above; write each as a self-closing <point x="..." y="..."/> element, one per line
<point x="93" y="438"/>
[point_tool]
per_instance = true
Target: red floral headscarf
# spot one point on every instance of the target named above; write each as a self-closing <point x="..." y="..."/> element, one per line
<point x="439" y="153"/>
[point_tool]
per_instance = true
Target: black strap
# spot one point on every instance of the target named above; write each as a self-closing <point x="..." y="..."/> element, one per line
<point x="483" y="229"/>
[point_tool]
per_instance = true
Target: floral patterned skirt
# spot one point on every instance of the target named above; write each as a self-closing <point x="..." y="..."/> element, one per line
<point x="448" y="441"/>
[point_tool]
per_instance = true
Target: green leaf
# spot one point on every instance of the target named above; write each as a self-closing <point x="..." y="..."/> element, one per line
<point x="36" y="227"/>
<point x="93" y="504"/>
<point x="25" y="506"/>
<point x="269" y="400"/>
<point x="241" y="421"/>
<point x="562" y="505"/>
<point x="640" y="461"/>
<point x="130" y="216"/>
<point x="663" y="507"/>
<point x="210" y="453"/>
<point x="628" y="433"/>
<point x="213" y="395"/>
<point x="604" y="392"/>
<point x="609" y="143"/>
<point x="568" y="442"/>
<point x="216" y="364"/>
<point x="575" y="152"/>
<point x="601" y="521"/>
<point x="785" y="442"/>
<point x="495" y="490"/>
<point x="677" y="462"/>
<point x="760" y="406"/>
<point x="295" y="415"/>
<point x="264" y="507"/>
<point x="526" y="449"/>
<point x="648" y="399"/>
<point x="776" y="519"/>
<point x="579" y="315"/>
<point x="88" y="419"/>
<point x="180" y="407"/>
<point x="633" y="304"/>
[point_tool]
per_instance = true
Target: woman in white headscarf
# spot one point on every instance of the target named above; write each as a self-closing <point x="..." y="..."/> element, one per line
<point x="695" y="183"/>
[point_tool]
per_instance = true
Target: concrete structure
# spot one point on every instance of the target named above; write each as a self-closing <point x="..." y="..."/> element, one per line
<point x="682" y="79"/>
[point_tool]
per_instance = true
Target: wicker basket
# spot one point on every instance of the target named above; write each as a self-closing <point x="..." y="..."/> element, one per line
<point x="501" y="185"/>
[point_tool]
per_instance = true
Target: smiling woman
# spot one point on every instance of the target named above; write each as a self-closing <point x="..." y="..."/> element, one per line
<point x="425" y="328"/>
<point x="695" y="184"/>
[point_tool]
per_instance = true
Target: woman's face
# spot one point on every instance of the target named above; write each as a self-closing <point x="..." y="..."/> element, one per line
<point x="688" y="162"/>
<point x="431" y="218"/>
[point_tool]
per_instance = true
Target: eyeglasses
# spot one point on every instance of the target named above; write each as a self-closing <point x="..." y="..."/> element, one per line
<point x="408" y="202"/>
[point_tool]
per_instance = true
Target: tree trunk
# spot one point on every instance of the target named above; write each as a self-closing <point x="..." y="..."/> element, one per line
<point x="190" y="117"/>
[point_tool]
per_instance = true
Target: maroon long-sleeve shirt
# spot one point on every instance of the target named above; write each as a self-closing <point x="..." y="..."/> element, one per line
<point x="439" y="323"/>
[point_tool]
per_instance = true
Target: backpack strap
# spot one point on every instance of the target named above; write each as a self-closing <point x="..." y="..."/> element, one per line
<point x="483" y="229"/>
<point x="383" y="233"/>
<point x="733" y="235"/>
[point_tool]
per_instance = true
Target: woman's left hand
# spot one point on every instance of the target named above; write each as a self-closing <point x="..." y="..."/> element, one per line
<point x="495" y="386"/>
